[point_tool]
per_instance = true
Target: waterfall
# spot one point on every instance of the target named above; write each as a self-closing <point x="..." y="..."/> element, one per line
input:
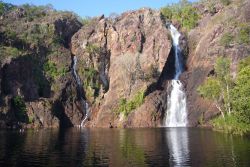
<point x="176" y="115"/>
<point x="80" y="91"/>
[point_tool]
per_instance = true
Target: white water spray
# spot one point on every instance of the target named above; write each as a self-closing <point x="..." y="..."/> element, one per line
<point x="78" y="82"/>
<point x="176" y="115"/>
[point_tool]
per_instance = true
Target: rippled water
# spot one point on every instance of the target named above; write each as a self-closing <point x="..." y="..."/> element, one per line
<point x="123" y="147"/>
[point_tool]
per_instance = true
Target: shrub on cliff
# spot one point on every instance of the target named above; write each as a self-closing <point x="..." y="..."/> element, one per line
<point x="182" y="12"/>
<point x="226" y="39"/>
<point x="126" y="106"/>
<point x="244" y="33"/>
<point x="20" y="107"/>
<point x="32" y="12"/>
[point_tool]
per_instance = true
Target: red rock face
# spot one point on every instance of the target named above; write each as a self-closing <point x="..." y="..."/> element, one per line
<point x="204" y="47"/>
<point x="131" y="45"/>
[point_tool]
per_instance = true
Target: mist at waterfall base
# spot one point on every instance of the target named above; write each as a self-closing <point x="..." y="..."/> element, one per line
<point x="176" y="114"/>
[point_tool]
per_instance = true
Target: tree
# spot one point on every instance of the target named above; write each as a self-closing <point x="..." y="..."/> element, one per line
<point x="217" y="88"/>
<point x="222" y="70"/>
<point x="211" y="90"/>
<point x="241" y="95"/>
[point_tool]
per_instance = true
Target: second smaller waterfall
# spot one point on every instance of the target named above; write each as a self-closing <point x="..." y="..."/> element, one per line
<point x="80" y="91"/>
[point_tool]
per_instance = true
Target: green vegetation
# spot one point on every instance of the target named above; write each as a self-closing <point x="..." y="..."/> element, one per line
<point x="92" y="49"/>
<point x="241" y="95"/>
<point x="227" y="39"/>
<point x="53" y="71"/>
<point x="244" y="33"/>
<point x="4" y="7"/>
<point x="32" y="12"/>
<point x="21" y="111"/>
<point x="126" y="106"/>
<point x="91" y="82"/>
<point x="232" y="98"/>
<point x="231" y="125"/>
<point x="9" y="51"/>
<point x="225" y="2"/>
<point x="182" y="12"/>
<point x="85" y="20"/>
<point x="218" y="88"/>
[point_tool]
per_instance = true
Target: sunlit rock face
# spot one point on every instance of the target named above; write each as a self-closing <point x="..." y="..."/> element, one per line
<point x="204" y="43"/>
<point x="133" y="50"/>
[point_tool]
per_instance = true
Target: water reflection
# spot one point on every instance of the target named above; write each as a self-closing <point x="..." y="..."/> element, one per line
<point x="177" y="140"/>
<point x="122" y="147"/>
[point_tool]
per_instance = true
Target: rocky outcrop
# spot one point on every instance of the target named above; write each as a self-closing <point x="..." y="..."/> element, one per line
<point x="130" y="58"/>
<point x="205" y="45"/>
<point x="37" y="88"/>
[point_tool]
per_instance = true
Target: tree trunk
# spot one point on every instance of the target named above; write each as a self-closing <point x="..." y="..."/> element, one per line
<point x="228" y="101"/>
<point x="222" y="113"/>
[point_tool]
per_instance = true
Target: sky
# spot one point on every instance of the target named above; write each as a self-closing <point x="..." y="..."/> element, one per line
<point x="97" y="7"/>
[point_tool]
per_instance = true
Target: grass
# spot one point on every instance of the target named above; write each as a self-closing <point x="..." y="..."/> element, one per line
<point x="244" y="33"/>
<point x="126" y="106"/>
<point x="227" y="39"/>
<point x="53" y="71"/>
<point x="230" y="125"/>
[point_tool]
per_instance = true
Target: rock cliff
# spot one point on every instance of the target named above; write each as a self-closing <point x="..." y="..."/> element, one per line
<point x="124" y="64"/>
<point x="217" y="34"/>
<point x="127" y="57"/>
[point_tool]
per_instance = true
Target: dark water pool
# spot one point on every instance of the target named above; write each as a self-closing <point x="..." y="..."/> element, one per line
<point x="123" y="147"/>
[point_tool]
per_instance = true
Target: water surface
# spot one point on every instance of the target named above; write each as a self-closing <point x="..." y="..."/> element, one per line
<point x="123" y="148"/>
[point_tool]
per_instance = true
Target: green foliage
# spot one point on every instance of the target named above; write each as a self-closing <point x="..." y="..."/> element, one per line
<point x="215" y="88"/>
<point x="4" y="7"/>
<point x="19" y="105"/>
<point x="85" y="20"/>
<point x="6" y="51"/>
<point x="244" y="63"/>
<point x="53" y="71"/>
<point x="32" y="12"/>
<point x="183" y="12"/>
<point x="91" y="82"/>
<point x="244" y="33"/>
<point x="227" y="39"/>
<point x="229" y="95"/>
<point x="210" y="89"/>
<point x="92" y="49"/>
<point x="40" y="34"/>
<point x="241" y="95"/>
<point x="211" y="7"/>
<point x="222" y="69"/>
<point x="230" y="124"/>
<point x="126" y="106"/>
<point x="225" y="2"/>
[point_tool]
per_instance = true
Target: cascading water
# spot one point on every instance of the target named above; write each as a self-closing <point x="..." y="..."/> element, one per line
<point x="176" y="115"/>
<point x="79" y="89"/>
